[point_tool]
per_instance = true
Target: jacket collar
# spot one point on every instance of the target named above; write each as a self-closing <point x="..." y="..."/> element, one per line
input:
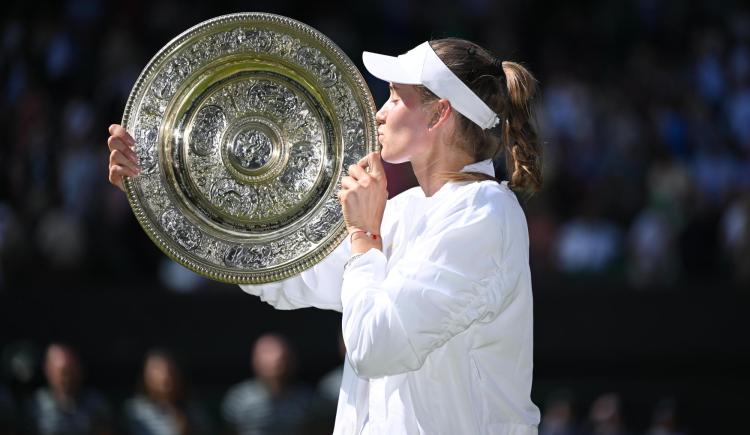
<point x="485" y="167"/>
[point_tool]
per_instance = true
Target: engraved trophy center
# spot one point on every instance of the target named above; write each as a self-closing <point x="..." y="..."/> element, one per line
<point x="251" y="147"/>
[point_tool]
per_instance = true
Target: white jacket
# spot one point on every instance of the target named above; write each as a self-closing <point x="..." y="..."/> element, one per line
<point x="438" y="326"/>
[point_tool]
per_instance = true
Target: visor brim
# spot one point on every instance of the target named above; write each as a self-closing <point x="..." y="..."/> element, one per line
<point x="389" y="69"/>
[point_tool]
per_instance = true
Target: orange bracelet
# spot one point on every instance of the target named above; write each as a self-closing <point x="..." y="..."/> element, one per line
<point x="370" y="235"/>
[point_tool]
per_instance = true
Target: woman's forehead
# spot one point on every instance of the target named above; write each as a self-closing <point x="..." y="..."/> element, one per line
<point x="402" y="88"/>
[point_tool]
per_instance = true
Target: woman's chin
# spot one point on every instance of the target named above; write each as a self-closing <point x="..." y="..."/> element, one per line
<point x="389" y="157"/>
<point x="384" y="156"/>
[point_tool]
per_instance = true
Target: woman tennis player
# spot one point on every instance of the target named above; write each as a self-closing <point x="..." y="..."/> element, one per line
<point x="434" y="284"/>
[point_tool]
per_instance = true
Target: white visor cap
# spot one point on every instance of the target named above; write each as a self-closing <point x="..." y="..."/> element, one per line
<point x="422" y="66"/>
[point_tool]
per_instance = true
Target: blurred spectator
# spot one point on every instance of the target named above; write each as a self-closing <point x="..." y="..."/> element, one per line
<point x="542" y="232"/>
<point x="669" y="187"/>
<point x="735" y="235"/>
<point x="605" y="416"/>
<point x="61" y="239"/>
<point x="21" y="361"/>
<point x="558" y="417"/>
<point x="11" y="241"/>
<point x="7" y="412"/>
<point x="587" y="245"/>
<point x="164" y="407"/>
<point x="271" y="403"/>
<point x="65" y="407"/>
<point x="177" y="278"/>
<point x="78" y="162"/>
<point x="651" y="242"/>
<point x="664" y="419"/>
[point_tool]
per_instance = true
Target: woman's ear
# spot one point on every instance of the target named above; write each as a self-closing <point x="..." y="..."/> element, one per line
<point x="442" y="113"/>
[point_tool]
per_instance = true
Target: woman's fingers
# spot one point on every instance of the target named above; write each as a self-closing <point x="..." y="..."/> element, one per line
<point x="363" y="195"/>
<point x="121" y="166"/>
<point x="117" y="157"/>
<point x="374" y="163"/>
<point x="121" y="140"/>
<point x="356" y="171"/>
<point x="119" y="131"/>
<point x="123" y="161"/>
<point x="349" y="183"/>
<point x="117" y="172"/>
<point x="364" y="161"/>
<point x="117" y="144"/>
<point x="361" y="177"/>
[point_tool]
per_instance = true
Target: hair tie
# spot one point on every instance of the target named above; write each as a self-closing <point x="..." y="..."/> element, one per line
<point x="498" y="63"/>
<point x="471" y="50"/>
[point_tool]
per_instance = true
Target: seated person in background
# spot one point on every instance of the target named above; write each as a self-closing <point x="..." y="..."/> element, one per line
<point x="606" y="417"/>
<point x="270" y="403"/>
<point x="164" y="407"/>
<point x="64" y="407"/>
<point x="558" y="417"/>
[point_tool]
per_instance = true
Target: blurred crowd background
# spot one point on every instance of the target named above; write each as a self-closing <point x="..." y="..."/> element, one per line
<point x="644" y="112"/>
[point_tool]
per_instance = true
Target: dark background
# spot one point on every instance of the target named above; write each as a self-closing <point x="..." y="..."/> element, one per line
<point x="640" y="241"/>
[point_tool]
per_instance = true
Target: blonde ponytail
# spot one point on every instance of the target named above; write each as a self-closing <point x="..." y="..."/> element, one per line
<point x="523" y="153"/>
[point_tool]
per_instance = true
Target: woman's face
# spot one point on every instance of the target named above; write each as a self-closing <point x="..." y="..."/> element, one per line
<point x="402" y="125"/>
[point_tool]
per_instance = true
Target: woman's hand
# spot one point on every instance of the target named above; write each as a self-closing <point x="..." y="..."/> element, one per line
<point x="363" y="196"/>
<point x="123" y="161"/>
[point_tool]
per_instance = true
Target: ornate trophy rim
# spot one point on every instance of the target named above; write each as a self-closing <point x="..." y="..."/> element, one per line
<point x="352" y="77"/>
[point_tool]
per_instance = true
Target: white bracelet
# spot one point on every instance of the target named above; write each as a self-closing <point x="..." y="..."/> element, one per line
<point x="352" y="258"/>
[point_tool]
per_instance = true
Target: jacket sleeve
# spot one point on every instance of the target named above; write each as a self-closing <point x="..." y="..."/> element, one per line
<point x="319" y="286"/>
<point x="449" y="279"/>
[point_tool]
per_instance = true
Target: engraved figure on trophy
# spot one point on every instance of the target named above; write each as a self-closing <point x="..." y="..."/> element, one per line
<point x="180" y="229"/>
<point x="209" y="124"/>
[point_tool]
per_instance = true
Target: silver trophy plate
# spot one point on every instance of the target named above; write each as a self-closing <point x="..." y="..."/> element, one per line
<point x="244" y="126"/>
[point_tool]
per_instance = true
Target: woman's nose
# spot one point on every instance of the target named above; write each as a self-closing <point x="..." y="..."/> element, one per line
<point x="381" y="115"/>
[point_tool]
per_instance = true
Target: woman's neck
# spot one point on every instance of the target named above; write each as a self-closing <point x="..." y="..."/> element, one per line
<point x="428" y="168"/>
